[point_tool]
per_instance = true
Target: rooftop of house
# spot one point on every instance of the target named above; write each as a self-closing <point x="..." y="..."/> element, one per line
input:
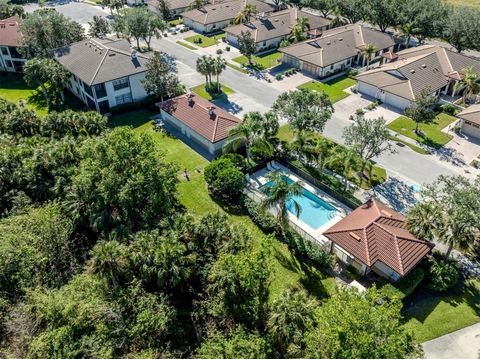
<point x="338" y="44"/>
<point x="374" y="232"/>
<point x="9" y="32"/>
<point x="224" y="11"/>
<point x="96" y="61"/>
<point x="471" y="114"/>
<point x="172" y="4"/>
<point x="419" y="68"/>
<point x="209" y="121"/>
<point x="277" y="24"/>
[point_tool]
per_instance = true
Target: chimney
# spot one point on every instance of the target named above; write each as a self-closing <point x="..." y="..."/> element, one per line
<point x="190" y="97"/>
<point x="211" y="111"/>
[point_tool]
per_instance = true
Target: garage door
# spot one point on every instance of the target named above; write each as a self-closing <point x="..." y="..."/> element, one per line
<point x="471" y="129"/>
<point x="367" y="89"/>
<point x="396" y="101"/>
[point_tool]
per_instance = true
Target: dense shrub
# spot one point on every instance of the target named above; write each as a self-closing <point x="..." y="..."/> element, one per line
<point x="224" y="178"/>
<point x="219" y="51"/>
<point x="237" y="160"/>
<point x="448" y="108"/>
<point x="405" y="286"/>
<point x="278" y="77"/>
<point x="443" y="275"/>
<point x="352" y="72"/>
<point x="227" y="48"/>
<point x="262" y="218"/>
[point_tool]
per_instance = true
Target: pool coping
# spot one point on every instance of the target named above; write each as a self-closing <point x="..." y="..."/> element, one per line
<point x="259" y="178"/>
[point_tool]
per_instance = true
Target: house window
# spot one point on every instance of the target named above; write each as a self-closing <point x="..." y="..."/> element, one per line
<point x="264" y="43"/>
<point x="100" y="90"/>
<point x="4" y="51"/>
<point x="88" y="89"/>
<point x="14" y="53"/>
<point x="331" y="67"/>
<point x="120" y="84"/>
<point x="8" y="63"/>
<point x="122" y="99"/>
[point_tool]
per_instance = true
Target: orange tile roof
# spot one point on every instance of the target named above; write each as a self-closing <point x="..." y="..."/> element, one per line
<point x="374" y="232"/>
<point x="9" y="32"/>
<point x="202" y="116"/>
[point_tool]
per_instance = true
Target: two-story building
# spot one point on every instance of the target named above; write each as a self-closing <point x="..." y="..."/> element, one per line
<point x="10" y="42"/>
<point x="105" y="73"/>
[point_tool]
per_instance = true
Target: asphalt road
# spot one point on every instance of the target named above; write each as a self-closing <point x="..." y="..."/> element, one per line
<point x="81" y="12"/>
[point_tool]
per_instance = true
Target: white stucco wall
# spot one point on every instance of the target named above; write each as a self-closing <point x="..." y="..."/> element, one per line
<point x="386" y="97"/>
<point x="384" y="270"/>
<point x="7" y="57"/>
<point x="471" y="129"/>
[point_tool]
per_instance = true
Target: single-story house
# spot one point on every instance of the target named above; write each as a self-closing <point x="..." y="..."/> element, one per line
<point x="375" y="238"/>
<point x="199" y="120"/>
<point x="104" y="72"/>
<point x="175" y="7"/>
<point x="471" y="121"/>
<point x="10" y="42"/>
<point x="215" y="17"/>
<point x="409" y="72"/>
<point x="336" y="50"/>
<point x="268" y="31"/>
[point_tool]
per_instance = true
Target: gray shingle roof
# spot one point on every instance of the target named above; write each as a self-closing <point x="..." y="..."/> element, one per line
<point x="277" y="24"/>
<point x="173" y="4"/>
<point x="224" y="11"/>
<point x="338" y="44"/>
<point x="471" y="114"/>
<point x="416" y="69"/>
<point x="96" y="61"/>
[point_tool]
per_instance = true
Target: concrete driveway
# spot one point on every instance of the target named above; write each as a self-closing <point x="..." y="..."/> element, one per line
<point x="464" y="344"/>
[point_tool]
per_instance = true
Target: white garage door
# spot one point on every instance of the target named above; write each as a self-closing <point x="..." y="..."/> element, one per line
<point x="396" y="101"/>
<point x="367" y="89"/>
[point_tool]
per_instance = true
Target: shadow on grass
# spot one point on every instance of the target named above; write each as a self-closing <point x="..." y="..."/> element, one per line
<point x="13" y="82"/>
<point x="134" y="118"/>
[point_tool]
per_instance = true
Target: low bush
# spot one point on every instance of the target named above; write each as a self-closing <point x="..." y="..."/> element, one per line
<point x="448" y="108"/>
<point x="359" y="111"/>
<point x="405" y="286"/>
<point x="260" y="217"/>
<point x="219" y="51"/>
<point x="443" y="275"/>
<point x="224" y="178"/>
<point x="278" y="77"/>
<point x="352" y="73"/>
<point x="227" y="48"/>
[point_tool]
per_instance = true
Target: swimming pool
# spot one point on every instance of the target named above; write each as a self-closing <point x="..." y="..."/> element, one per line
<point x="315" y="211"/>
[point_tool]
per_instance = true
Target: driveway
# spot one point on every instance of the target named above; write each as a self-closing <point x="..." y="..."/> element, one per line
<point x="464" y="344"/>
<point x="80" y="12"/>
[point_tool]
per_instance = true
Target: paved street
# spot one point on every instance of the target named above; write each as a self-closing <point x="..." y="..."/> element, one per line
<point x="80" y="12"/>
<point x="462" y="344"/>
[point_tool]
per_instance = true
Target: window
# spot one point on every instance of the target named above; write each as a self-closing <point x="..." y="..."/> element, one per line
<point x="122" y="99"/>
<point x="100" y="90"/>
<point x="88" y="89"/>
<point x="4" y="51"/>
<point x="14" y="53"/>
<point x="120" y="84"/>
<point x="8" y="63"/>
<point x="331" y="67"/>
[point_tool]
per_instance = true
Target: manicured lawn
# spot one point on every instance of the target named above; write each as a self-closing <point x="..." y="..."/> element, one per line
<point x="408" y="144"/>
<point x="205" y="41"/>
<point x="287" y="270"/>
<point x="333" y="90"/>
<point x="13" y="89"/>
<point x="261" y="62"/>
<point x="342" y="82"/>
<point x="176" y="22"/>
<point x="184" y="44"/>
<point x="200" y="90"/>
<point x="379" y="174"/>
<point x="236" y="68"/>
<point x="472" y="3"/>
<point x="432" y="314"/>
<point x="434" y="136"/>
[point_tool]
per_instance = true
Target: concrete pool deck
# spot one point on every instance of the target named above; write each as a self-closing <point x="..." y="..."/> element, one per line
<point x="260" y="178"/>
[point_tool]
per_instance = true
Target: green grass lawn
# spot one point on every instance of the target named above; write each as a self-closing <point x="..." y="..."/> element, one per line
<point x="261" y="62"/>
<point x="408" y="144"/>
<point x="287" y="270"/>
<point x="434" y="136"/>
<point x="13" y="89"/>
<point x="200" y="90"/>
<point x="184" y="44"/>
<point x="334" y="88"/>
<point x="205" y="40"/>
<point x="176" y="22"/>
<point x="434" y="314"/>
<point x="471" y="3"/>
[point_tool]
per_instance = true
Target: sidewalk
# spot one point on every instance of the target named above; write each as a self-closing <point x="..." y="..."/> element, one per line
<point x="464" y="344"/>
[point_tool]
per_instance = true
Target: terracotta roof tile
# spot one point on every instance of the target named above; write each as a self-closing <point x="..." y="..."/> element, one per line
<point x="9" y="32"/>
<point x="195" y="113"/>
<point x="383" y="237"/>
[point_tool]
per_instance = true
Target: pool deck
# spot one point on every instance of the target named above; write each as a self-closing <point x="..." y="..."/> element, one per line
<point x="259" y="178"/>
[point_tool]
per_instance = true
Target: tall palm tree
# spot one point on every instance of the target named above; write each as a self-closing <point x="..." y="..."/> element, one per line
<point x="422" y="221"/>
<point x="219" y="64"/>
<point x="107" y="261"/>
<point x="408" y="29"/>
<point x="247" y="131"/>
<point x="345" y="158"/>
<point x="316" y="149"/>
<point x="368" y="51"/>
<point x="245" y="15"/>
<point x="469" y="82"/>
<point x="205" y="67"/>
<point x="302" y="24"/>
<point x="279" y="194"/>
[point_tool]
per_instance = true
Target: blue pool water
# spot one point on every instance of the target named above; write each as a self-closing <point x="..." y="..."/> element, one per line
<point x="315" y="211"/>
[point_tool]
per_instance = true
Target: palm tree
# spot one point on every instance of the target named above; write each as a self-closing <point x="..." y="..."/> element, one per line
<point x="408" y="31"/>
<point x="345" y="158"/>
<point x="317" y="150"/>
<point x="107" y="261"/>
<point x="197" y="4"/>
<point x="205" y="67"/>
<point x="368" y="51"/>
<point x="245" y="15"/>
<point x="219" y="64"/>
<point x="247" y="131"/>
<point x="469" y="82"/>
<point x="279" y="194"/>
<point x="422" y="221"/>
<point x="301" y="26"/>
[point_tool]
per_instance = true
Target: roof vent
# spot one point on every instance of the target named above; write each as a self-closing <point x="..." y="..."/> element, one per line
<point x="329" y="42"/>
<point x="412" y="71"/>
<point x="190" y="97"/>
<point x="340" y="39"/>
<point x="424" y="66"/>
<point x="386" y="213"/>
<point x="355" y="236"/>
